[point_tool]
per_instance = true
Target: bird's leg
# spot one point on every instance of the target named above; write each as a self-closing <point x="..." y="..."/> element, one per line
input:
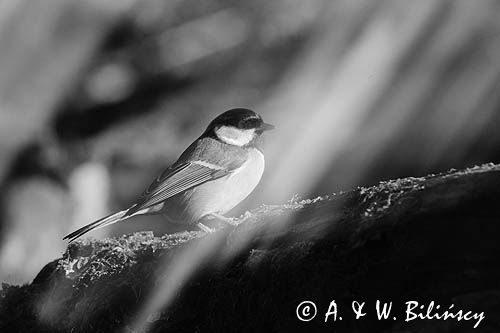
<point x="205" y="228"/>
<point x="218" y="217"/>
<point x="228" y="220"/>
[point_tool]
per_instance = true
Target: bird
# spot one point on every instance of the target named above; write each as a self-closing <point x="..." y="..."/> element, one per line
<point x="213" y="175"/>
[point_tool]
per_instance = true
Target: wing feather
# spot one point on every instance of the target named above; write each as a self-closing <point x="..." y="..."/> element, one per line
<point x="176" y="180"/>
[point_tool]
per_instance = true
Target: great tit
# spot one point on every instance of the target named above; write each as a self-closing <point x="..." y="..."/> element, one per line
<point x="214" y="174"/>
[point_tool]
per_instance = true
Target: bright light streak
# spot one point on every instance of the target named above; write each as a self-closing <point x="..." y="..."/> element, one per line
<point x="327" y="119"/>
<point x="178" y="269"/>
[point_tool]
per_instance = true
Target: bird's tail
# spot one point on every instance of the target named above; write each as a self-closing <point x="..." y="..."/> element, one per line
<point x="107" y="220"/>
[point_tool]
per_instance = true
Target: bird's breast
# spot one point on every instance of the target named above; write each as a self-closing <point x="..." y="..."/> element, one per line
<point x="221" y="195"/>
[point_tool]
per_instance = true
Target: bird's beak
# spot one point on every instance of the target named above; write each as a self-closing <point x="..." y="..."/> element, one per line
<point x="267" y="127"/>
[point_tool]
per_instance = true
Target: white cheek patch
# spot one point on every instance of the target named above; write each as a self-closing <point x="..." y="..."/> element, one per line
<point x="235" y="136"/>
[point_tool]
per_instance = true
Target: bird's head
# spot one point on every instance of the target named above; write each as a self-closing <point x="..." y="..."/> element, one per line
<point x="238" y="127"/>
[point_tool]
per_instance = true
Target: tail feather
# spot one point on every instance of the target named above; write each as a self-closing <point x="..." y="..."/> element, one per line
<point x="105" y="221"/>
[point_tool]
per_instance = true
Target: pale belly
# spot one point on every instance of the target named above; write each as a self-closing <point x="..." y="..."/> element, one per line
<point x="218" y="196"/>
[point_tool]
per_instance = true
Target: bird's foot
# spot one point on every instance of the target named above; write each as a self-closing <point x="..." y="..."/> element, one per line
<point x="216" y="218"/>
<point x="204" y="228"/>
<point x="229" y="220"/>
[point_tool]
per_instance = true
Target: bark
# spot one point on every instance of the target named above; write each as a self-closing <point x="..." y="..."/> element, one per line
<point x="425" y="239"/>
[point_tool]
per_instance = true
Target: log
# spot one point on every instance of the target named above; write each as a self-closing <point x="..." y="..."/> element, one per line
<point x="424" y="239"/>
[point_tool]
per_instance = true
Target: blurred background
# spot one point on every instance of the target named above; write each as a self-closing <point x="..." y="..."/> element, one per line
<point x="97" y="97"/>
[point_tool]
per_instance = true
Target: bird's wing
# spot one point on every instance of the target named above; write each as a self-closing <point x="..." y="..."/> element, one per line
<point x="177" y="179"/>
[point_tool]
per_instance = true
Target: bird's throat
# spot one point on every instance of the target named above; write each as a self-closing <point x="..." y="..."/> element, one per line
<point x="235" y="136"/>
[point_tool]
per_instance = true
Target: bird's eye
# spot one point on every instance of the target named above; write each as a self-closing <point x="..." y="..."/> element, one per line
<point x="249" y="123"/>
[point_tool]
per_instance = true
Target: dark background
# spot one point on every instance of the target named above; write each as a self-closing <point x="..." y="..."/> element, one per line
<point x="96" y="97"/>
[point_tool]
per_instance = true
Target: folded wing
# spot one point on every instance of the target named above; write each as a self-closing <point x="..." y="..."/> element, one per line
<point x="175" y="180"/>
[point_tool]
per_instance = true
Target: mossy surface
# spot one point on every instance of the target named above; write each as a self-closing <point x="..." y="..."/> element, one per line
<point x="429" y="238"/>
